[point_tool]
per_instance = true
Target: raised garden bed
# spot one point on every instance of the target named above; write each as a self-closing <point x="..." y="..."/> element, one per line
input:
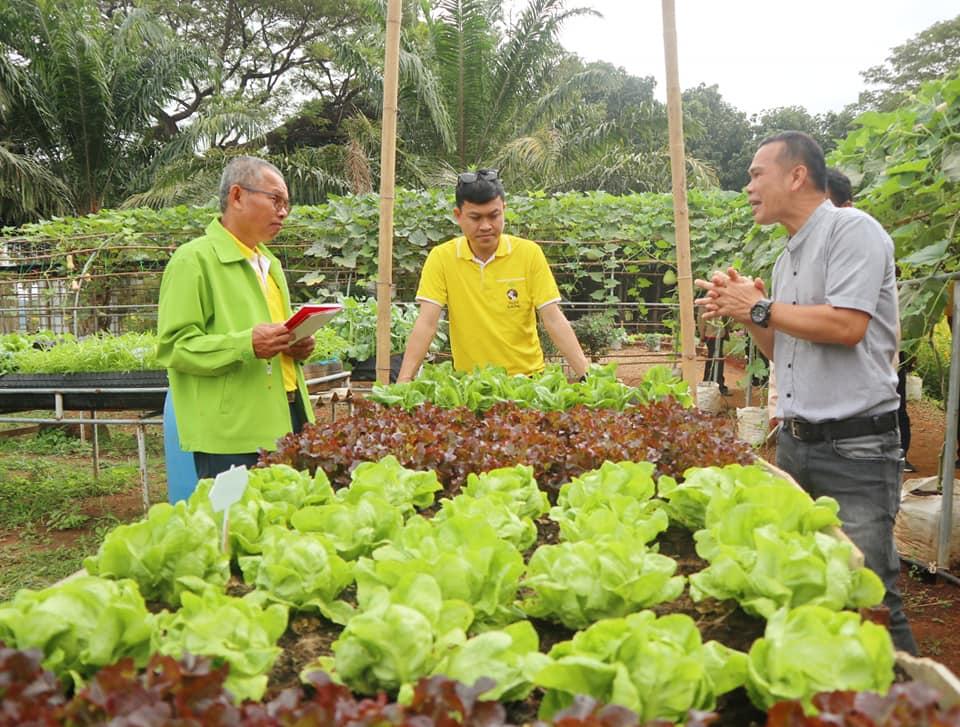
<point x="559" y="446"/>
<point x="309" y="637"/>
<point x="94" y="391"/>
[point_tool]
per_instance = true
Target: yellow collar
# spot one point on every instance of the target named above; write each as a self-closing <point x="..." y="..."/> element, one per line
<point x="248" y="252"/>
<point x="504" y="247"/>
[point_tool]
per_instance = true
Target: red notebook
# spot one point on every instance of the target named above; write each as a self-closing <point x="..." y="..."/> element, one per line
<point x="309" y="318"/>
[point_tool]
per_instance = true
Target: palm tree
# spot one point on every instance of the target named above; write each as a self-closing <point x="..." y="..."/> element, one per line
<point x="490" y="71"/>
<point x="598" y="128"/>
<point x="478" y="88"/>
<point x="78" y="97"/>
<point x="517" y="101"/>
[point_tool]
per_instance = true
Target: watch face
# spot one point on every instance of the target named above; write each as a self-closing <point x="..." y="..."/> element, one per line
<point x="760" y="312"/>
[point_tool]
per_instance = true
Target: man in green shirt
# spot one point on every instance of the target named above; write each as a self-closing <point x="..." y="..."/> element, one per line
<point x="234" y="376"/>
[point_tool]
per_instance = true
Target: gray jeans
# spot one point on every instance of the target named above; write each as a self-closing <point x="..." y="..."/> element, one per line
<point x="863" y="475"/>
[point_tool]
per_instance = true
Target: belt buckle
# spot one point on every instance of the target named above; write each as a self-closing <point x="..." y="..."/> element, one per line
<point x="794" y="428"/>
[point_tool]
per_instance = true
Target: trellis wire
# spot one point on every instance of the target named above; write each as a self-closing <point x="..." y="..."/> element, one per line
<point x="37" y="283"/>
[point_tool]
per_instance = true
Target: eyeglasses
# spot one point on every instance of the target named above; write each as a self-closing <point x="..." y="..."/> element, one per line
<point x="489" y="175"/>
<point x="280" y="204"/>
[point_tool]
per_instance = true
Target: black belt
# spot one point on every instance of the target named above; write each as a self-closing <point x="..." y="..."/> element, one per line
<point x="292" y="396"/>
<point x="840" y="428"/>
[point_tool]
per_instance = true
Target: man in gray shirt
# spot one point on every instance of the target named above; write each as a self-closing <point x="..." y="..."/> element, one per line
<point x="830" y="326"/>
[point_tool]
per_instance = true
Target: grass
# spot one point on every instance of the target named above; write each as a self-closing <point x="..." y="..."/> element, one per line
<point x="54" y="441"/>
<point x="50" y="441"/>
<point x="931" y="647"/>
<point x="41" y="489"/>
<point x="54" y="512"/>
<point x="33" y="561"/>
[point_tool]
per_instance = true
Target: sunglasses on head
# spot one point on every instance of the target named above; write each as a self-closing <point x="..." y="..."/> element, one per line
<point x="489" y="175"/>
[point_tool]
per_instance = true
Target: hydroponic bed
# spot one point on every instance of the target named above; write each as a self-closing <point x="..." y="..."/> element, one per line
<point x="93" y="391"/>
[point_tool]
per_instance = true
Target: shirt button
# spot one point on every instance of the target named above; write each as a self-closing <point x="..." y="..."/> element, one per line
<point x="789" y="366"/>
<point x="794" y="273"/>
<point x="794" y="302"/>
<point x="789" y="396"/>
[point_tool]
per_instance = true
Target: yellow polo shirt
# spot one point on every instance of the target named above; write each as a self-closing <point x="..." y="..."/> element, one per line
<point x="491" y="306"/>
<point x="275" y="305"/>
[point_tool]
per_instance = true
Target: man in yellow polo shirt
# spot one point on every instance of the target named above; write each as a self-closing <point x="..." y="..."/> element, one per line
<point x="493" y="285"/>
<point x="234" y="379"/>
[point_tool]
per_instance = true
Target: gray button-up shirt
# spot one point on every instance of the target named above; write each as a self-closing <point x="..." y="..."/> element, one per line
<point x="843" y="258"/>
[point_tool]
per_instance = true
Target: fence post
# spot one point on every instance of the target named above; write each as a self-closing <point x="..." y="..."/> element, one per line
<point x="950" y="439"/>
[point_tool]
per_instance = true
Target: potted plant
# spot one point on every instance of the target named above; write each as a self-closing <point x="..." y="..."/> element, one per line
<point x="597" y="333"/>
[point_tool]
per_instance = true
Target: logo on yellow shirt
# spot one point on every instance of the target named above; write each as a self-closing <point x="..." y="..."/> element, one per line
<point x="512" y="298"/>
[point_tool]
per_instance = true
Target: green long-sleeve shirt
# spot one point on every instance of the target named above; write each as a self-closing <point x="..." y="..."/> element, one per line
<point x="226" y="400"/>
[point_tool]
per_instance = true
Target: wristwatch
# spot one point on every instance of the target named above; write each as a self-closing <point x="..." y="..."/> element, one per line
<point x="760" y="312"/>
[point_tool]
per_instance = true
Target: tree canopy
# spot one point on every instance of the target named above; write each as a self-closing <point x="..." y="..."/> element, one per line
<point x="77" y="92"/>
<point x="140" y="102"/>
<point x="718" y="133"/>
<point x="905" y="165"/>
<point x="929" y="55"/>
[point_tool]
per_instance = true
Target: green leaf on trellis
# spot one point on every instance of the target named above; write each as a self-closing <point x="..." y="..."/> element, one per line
<point x="950" y="166"/>
<point x="918" y="165"/>
<point x="931" y="254"/>
<point x="593" y="253"/>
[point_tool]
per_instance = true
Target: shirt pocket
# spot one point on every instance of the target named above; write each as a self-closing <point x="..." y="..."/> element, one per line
<point x="511" y="296"/>
<point x="226" y="392"/>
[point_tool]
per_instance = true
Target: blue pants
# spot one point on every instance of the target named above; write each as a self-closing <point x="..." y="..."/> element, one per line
<point x="863" y="475"/>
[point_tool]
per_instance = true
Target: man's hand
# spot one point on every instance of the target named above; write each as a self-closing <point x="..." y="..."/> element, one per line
<point x="729" y="294"/>
<point x="301" y="350"/>
<point x="269" y="339"/>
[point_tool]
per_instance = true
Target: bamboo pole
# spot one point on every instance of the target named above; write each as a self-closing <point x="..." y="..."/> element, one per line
<point x="946" y="465"/>
<point x="681" y="214"/>
<point x="388" y="160"/>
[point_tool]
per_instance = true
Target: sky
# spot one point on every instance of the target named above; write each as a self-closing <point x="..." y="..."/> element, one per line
<point x="762" y="54"/>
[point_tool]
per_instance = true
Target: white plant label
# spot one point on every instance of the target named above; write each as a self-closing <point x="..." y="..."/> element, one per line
<point x="228" y="488"/>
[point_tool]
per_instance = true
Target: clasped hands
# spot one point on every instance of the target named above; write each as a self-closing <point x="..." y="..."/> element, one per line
<point x="269" y="339"/>
<point x="729" y="294"/>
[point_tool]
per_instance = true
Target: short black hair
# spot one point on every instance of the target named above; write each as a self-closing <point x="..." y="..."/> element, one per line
<point x="803" y="148"/>
<point x="485" y="187"/>
<point x="839" y="188"/>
